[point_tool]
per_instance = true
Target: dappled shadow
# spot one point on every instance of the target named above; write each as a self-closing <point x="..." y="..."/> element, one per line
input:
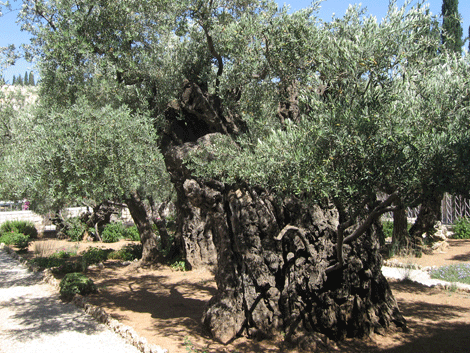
<point x="439" y="337"/>
<point x="30" y="310"/>
<point x="171" y="306"/>
<point x="13" y="274"/>
<point x="461" y="257"/>
<point x="33" y="317"/>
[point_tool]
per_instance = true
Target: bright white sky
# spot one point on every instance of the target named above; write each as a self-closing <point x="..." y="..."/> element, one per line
<point x="10" y="32"/>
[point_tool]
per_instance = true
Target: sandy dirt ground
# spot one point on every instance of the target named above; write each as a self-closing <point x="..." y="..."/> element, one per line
<point x="165" y="306"/>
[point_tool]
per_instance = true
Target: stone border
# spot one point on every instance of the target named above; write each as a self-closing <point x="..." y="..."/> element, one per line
<point x="98" y="313"/>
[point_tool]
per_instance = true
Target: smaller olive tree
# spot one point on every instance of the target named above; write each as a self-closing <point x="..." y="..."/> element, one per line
<point x="89" y="153"/>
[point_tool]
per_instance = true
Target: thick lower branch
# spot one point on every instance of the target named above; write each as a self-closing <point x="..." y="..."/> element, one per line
<point x="383" y="207"/>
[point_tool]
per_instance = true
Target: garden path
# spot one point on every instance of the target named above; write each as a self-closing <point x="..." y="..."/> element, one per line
<point x="33" y="319"/>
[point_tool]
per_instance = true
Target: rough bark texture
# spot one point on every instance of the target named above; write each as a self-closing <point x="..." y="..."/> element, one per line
<point x="429" y="214"/>
<point x="150" y="253"/>
<point x="100" y="216"/>
<point x="400" y="234"/>
<point x="270" y="277"/>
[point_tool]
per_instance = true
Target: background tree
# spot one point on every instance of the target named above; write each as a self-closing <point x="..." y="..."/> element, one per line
<point x="451" y="26"/>
<point x="26" y="79"/>
<point x="433" y="187"/>
<point x="31" y="79"/>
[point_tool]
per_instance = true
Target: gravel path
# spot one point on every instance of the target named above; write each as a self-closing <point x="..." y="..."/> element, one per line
<point x="34" y="319"/>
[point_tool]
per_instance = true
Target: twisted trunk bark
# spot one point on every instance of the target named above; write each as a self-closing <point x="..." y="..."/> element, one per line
<point x="150" y="251"/>
<point x="270" y="256"/>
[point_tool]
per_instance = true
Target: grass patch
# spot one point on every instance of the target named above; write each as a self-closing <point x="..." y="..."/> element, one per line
<point x="453" y="273"/>
<point x="44" y="248"/>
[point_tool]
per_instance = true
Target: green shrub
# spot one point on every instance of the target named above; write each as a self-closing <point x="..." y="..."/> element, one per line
<point x="25" y="227"/>
<point x="18" y="239"/>
<point x="129" y="252"/>
<point x="132" y="233"/>
<point x="62" y="254"/>
<point x="75" y="228"/>
<point x="461" y="228"/>
<point x="7" y="238"/>
<point x="67" y="267"/>
<point x="112" y="232"/>
<point x="21" y="241"/>
<point x="178" y="265"/>
<point x="76" y="283"/>
<point x="47" y="262"/>
<point x="93" y="256"/>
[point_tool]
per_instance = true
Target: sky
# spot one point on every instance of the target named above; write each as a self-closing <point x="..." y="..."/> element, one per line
<point x="10" y="32"/>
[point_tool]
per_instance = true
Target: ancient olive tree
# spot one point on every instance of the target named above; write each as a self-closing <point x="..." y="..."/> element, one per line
<point x="278" y="131"/>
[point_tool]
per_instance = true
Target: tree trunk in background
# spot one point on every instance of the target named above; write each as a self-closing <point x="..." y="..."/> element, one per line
<point x="429" y="214"/>
<point x="268" y="283"/>
<point x="100" y="217"/>
<point x="400" y="234"/>
<point x="150" y="251"/>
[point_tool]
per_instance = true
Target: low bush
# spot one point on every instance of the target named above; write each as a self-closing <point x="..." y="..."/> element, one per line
<point x="461" y="228"/>
<point x="24" y="227"/>
<point x="75" y="228"/>
<point x="132" y="233"/>
<point x="76" y="283"/>
<point x="63" y="254"/>
<point x="47" y="262"/>
<point x="129" y="252"/>
<point x="67" y="267"/>
<point x="93" y="256"/>
<point x="20" y="240"/>
<point x="113" y="232"/>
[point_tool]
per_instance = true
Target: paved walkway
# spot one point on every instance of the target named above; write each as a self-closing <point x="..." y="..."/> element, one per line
<point x="34" y="319"/>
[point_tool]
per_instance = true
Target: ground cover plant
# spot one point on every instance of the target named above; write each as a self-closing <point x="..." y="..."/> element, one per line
<point x="68" y="260"/>
<point x="453" y="273"/>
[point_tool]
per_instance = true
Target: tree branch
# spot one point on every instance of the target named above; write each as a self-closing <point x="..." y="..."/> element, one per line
<point x="383" y="207"/>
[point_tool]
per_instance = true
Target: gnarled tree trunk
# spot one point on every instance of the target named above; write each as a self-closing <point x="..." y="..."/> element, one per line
<point x="400" y="235"/>
<point x="150" y="251"/>
<point x="429" y="214"/>
<point x="270" y="256"/>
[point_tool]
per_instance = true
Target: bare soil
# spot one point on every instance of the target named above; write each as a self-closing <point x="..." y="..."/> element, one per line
<point x="165" y="306"/>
